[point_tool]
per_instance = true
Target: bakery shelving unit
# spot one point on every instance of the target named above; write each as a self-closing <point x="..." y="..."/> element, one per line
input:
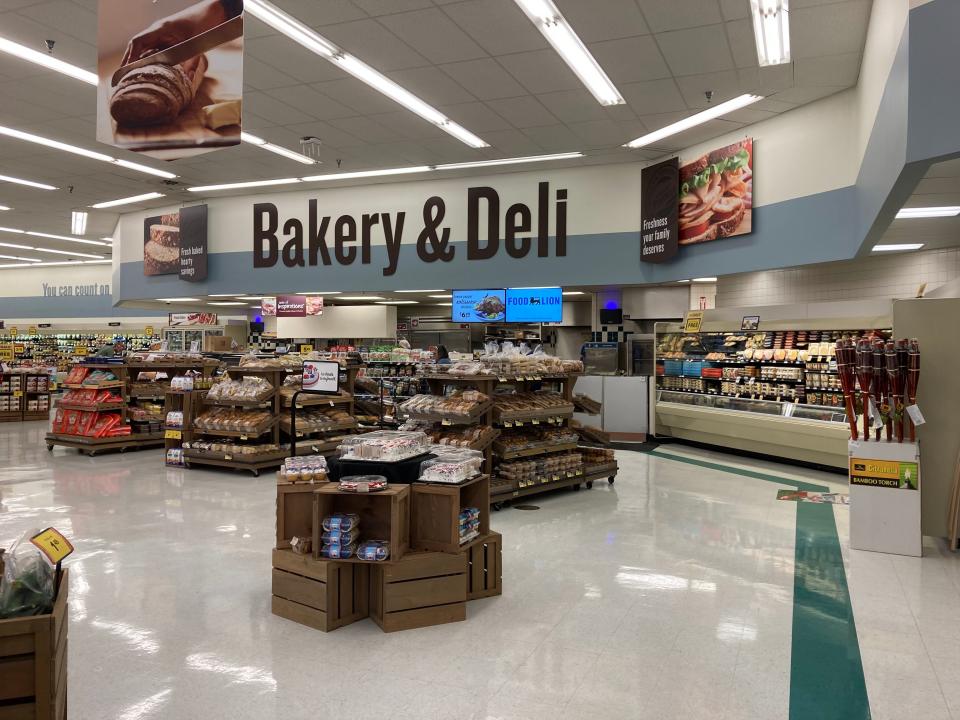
<point x="438" y="383"/>
<point x="321" y="440"/>
<point x="39" y="395"/>
<point x="382" y="379"/>
<point x="155" y="390"/>
<point x="188" y="402"/>
<point x="268" y="431"/>
<point x="11" y="401"/>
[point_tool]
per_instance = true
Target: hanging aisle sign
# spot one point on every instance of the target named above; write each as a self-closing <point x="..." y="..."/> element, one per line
<point x="658" y="211"/>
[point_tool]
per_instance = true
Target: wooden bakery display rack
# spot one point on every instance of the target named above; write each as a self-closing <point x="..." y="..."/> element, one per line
<point x="322" y="420"/>
<point x="25" y="395"/>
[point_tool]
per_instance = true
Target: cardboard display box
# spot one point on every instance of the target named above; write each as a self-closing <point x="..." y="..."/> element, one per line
<point x="384" y="515"/>
<point x="422" y="589"/>
<point x="485" y="567"/>
<point x="435" y="513"/>
<point x="319" y="593"/>
<point x="33" y="663"/>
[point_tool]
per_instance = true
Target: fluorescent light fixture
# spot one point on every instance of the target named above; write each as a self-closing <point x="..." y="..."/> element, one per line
<point x="420" y="291"/>
<point x="226" y="303"/>
<point x="683" y="281"/>
<point x="73" y="149"/>
<point x="107" y="239"/>
<point x="250" y="297"/>
<point x="172" y="300"/>
<point x="306" y="36"/>
<point x="897" y="248"/>
<point x="698" y="119"/>
<point x="258" y="307"/>
<point x="28" y="183"/>
<point x="224" y="295"/>
<point x="928" y="212"/>
<point x="368" y="173"/>
<point x="24" y="259"/>
<point x="4" y="207"/>
<point x="251" y="184"/>
<point x="705" y="279"/>
<point x="571" y="292"/>
<point x="51" y="264"/>
<point x="771" y="29"/>
<point x="254" y="140"/>
<point x="554" y="27"/>
<point x="359" y="297"/>
<point x="327" y="292"/>
<point x="48" y="250"/>
<point x="78" y="222"/>
<point x="445" y="304"/>
<point x="442" y="297"/>
<point x="128" y="200"/>
<point x="50" y="235"/>
<point x="396" y="302"/>
<point x="509" y="161"/>
<point x="47" y="61"/>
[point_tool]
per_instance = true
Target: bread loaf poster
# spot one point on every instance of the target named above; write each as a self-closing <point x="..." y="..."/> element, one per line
<point x="170" y="75"/>
<point x="176" y="244"/>
<point x="716" y="194"/>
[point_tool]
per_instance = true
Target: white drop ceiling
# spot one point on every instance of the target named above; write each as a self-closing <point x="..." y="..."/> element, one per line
<point x="481" y="62"/>
<point x="939" y="187"/>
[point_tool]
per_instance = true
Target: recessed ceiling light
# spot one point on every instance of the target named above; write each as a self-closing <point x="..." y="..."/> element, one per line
<point x="66" y="147"/>
<point x="572" y="292"/>
<point x="554" y="27"/>
<point x="250" y="184"/>
<point x="226" y="303"/>
<point x="705" y="279"/>
<point x="28" y="183"/>
<point x="183" y="299"/>
<point x="396" y="302"/>
<point x="698" y="119"/>
<point x="683" y="281"/>
<point x="128" y="200"/>
<point x="771" y="30"/>
<point x="442" y="297"/>
<point x="509" y="161"/>
<point x="224" y="295"/>
<point x="4" y="207"/>
<point x="47" y="61"/>
<point x="359" y="297"/>
<point x="897" y="248"/>
<point x="78" y="222"/>
<point x="928" y="212"/>
<point x="304" y="35"/>
<point x="254" y="140"/>
<point x="326" y="292"/>
<point x="419" y="291"/>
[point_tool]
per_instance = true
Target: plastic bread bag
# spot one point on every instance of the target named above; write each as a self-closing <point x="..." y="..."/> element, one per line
<point x="338" y="552"/>
<point x="374" y="550"/>
<point x="27" y="587"/>
<point x="341" y="522"/>
<point x="340" y="537"/>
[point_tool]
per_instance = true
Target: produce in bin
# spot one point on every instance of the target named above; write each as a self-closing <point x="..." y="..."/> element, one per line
<point x="28" y="585"/>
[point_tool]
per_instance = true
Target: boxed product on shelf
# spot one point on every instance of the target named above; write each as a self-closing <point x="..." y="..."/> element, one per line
<point x="76" y="375"/>
<point x="469" y="524"/>
<point x="596" y="456"/>
<point x="532" y="439"/>
<point x="542" y="470"/>
<point x="384" y="445"/>
<point x="453" y="465"/>
<point x="462" y="403"/>
<point x="363" y="483"/>
<point x="99" y="377"/>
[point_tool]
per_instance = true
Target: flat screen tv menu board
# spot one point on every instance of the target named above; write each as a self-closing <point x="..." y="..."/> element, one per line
<point x="532" y="305"/>
<point x="478" y="306"/>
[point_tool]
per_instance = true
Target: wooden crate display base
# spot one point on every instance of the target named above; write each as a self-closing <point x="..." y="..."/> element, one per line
<point x="255" y="464"/>
<point x="435" y="512"/>
<point x="294" y="511"/>
<point x="485" y="567"/>
<point x="384" y="515"/>
<point x="322" y="594"/>
<point x="92" y="446"/>
<point x="33" y="663"/>
<point x="422" y="589"/>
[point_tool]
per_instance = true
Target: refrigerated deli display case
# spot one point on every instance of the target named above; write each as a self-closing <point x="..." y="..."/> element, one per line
<point x="774" y="392"/>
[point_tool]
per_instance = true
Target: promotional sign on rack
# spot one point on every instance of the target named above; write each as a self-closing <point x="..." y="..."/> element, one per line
<point x="170" y="76"/>
<point x="291" y="306"/>
<point x="321" y="376"/>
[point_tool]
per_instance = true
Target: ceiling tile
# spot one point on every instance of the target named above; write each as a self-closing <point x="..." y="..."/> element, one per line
<point x="802" y="95"/>
<point x="512" y="142"/>
<point x="742" y="43"/>
<point x="541" y="71"/>
<point x="677" y="14"/>
<point x="365" y="128"/>
<point x="829" y="70"/>
<point x="330" y="135"/>
<point x="31" y="33"/>
<point x="310" y="101"/>
<point x="766" y="80"/>
<point x="292" y="59"/>
<point x="603" y="19"/>
<point x="829" y="29"/>
<point x="725" y="86"/>
<point x="604" y="133"/>
<point x="735" y="9"/>
<point x="703" y="133"/>
<point x="522" y="112"/>
<point x="750" y="115"/>
<point x="407" y="125"/>
<point x="498" y="26"/>
<point x="384" y="7"/>
<point x="771" y="105"/>
<point x="554" y="138"/>
<point x="273" y="110"/>
<point x="631" y="59"/>
<point x="431" y="85"/>
<point x="375" y="45"/>
<point x="485" y="79"/>
<point x="654" y="96"/>
<point x="434" y="35"/>
<point x="261" y="76"/>
<point x="475" y="115"/>
<point x="697" y="50"/>
<point x="573" y="106"/>
<point x="355" y="94"/>
<point x="66" y="17"/>
<point x="328" y="12"/>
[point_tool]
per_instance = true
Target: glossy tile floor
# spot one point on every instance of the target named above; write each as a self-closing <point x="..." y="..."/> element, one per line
<point x="668" y="594"/>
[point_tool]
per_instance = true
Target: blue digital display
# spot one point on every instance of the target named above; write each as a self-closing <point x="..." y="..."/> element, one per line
<point x="478" y="306"/>
<point x="534" y="305"/>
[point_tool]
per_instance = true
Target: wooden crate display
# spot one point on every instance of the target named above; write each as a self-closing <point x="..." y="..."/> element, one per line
<point x="422" y="589"/>
<point x="435" y="513"/>
<point x="384" y="515"/>
<point x="485" y="567"/>
<point x="294" y="511"/>
<point x="322" y="594"/>
<point x="33" y="663"/>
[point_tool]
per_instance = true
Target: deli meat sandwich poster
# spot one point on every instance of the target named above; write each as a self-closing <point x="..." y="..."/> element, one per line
<point x="716" y="194"/>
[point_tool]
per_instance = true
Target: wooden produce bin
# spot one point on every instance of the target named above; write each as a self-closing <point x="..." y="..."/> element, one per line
<point x="294" y="511"/>
<point x="384" y="515"/>
<point x="322" y="594"/>
<point x="485" y="566"/>
<point x="435" y="513"/>
<point x="33" y="663"/>
<point x="422" y="589"/>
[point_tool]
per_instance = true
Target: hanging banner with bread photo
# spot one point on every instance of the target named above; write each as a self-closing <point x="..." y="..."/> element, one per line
<point x="716" y="194"/>
<point x="170" y="75"/>
<point x="176" y="244"/>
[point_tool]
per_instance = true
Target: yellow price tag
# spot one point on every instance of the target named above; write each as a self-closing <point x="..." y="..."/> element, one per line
<point x="445" y="422"/>
<point x="6" y="353"/>
<point x="172" y="434"/>
<point x="306" y="348"/>
<point x="32" y="330"/>
<point x="13" y="331"/>
<point x="536" y="422"/>
<point x="52" y="544"/>
<point x="18" y="393"/>
<point x="692" y="321"/>
<point x="148" y="330"/>
<point x="80" y="350"/>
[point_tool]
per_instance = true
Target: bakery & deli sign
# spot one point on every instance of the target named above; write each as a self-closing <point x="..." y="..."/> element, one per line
<point x="517" y="229"/>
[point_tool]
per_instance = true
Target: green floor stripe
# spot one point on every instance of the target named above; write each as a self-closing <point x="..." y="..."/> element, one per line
<point x="826" y="672"/>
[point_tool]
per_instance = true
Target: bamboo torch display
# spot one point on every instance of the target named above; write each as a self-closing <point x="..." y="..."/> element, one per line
<point x="865" y="378"/>
<point x="913" y="380"/>
<point x="846" y="360"/>
<point x="896" y="388"/>
<point x="903" y="366"/>
<point x="880" y="384"/>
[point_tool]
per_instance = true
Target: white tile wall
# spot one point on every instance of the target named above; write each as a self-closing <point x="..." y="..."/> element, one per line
<point x="875" y="277"/>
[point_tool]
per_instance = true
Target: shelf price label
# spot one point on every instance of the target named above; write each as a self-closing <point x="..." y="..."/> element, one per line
<point x="52" y="544"/>
<point x="536" y="422"/>
<point x="148" y="331"/>
<point x="306" y="348"/>
<point x="445" y="421"/>
<point x="18" y="393"/>
<point x="172" y="434"/>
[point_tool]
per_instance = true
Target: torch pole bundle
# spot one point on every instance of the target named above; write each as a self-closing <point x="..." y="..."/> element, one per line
<point x="846" y="362"/>
<point x="880" y="384"/>
<point x="865" y="377"/>
<point x="913" y="380"/>
<point x="903" y="366"/>
<point x="896" y="388"/>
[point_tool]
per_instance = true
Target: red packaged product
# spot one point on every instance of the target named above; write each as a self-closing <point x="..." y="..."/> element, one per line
<point x="118" y="431"/>
<point x="71" y="421"/>
<point x="105" y="424"/>
<point x="58" y="422"/>
<point x="77" y="374"/>
<point x="87" y="419"/>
